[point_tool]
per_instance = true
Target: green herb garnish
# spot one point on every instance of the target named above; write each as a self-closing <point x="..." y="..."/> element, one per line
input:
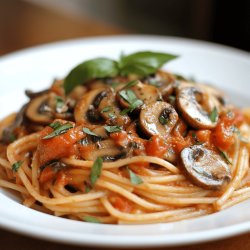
<point x="12" y="138"/>
<point x="163" y="120"/>
<point x="55" y="125"/>
<point x="134" y="179"/>
<point x="113" y="129"/>
<point x="59" y="102"/>
<point x="89" y="132"/>
<point x="131" y="84"/>
<point x="225" y="156"/>
<point x="106" y="109"/>
<point x="154" y="82"/>
<point x="16" y="165"/>
<point x="194" y="136"/>
<point x="214" y="115"/>
<point x="112" y="116"/>
<point x="91" y="219"/>
<point x="129" y="96"/>
<point x="141" y="63"/>
<point x="96" y="171"/>
<point x="58" y="130"/>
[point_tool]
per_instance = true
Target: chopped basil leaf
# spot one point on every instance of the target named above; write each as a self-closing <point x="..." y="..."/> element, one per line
<point x="111" y="116"/>
<point x="106" y="109"/>
<point x="87" y="186"/>
<point x="96" y="171"/>
<point x="154" y="82"/>
<point x="12" y="138"/>
<point x="59" y="102"/>
<point x="16" y="165"/>
<point x="194" y="136"/>
<point x="89" y="132"/>
<point x="171" y="99"/>
<point x="91" y="219"/>
<point x="180" y="77"/>
<point x="214" y="115"/>
<point x="113" y="129"/>
<point x="55" y="125"/>
<point x="129" y="96"/>
<point x="131" y="84"/>
<point x="125" y="111"/>
<point x="114" y="85"/>
<point x="225" y="156"/>
<point x="59" y="130"/>
<point x="134" y="179"/>
<point x="163" y="120"/>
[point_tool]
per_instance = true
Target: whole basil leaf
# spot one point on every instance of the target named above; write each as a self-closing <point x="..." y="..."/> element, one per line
<point x="91" y="69"/>
<point x="143" y="63"/>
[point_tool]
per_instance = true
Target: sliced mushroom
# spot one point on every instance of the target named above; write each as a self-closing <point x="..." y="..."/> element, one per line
<point x="37" y="110"/>
<point x="146" y="93"/>
<point x="158" y="118"/>
<point x="110" y="112"/>
<point x="85" y="110"/>
<point x="191" y="101"/>
<point x="205" y="167"/>
<point x="105" y="149"/>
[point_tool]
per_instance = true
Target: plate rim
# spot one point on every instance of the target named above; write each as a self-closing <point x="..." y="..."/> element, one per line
<point x="123" y="241"/>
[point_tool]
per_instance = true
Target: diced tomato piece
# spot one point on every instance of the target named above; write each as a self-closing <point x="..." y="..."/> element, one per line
<point x="203" y="136"/>
<point x="120" y="138"/>
<point x="47" y="174"/>
<point x="156" y="146"/>
<point x="139" y="168"/>
<point x="59" y="146"/>
<point x="223" y="134"/>
<point x="122" y="204"/>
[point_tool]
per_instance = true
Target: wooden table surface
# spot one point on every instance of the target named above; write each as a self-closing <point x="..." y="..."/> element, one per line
<point x="22" y="25"/>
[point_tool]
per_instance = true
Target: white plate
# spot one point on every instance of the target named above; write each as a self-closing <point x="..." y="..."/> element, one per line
<point x="35" y="68"/>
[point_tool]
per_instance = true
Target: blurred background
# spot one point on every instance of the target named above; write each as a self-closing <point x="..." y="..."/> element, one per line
<point x="24" y="23"/>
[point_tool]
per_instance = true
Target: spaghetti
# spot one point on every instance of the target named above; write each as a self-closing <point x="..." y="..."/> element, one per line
<point x="127" y="149"/>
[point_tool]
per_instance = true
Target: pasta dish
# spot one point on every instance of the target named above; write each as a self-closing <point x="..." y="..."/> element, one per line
<point x="125" y="142"/>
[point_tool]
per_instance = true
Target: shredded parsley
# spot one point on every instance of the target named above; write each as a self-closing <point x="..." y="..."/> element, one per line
<point x="225" y="156"/>
<point x="214" y="115"/>
<point x="129" y="96"/>
<point x="134" y="179"/>
<point x="91" y="219"/>
<point x="113" y="129"/>
<point x="58" y="130"/>
<point x="96" y="171"/>
<point x="59" y="102"/>
<point x="163" y="120"/>
<point x="89" y="132"/>
<point x="131" y="84"/>
<point x="106" y="109"/>
<point x="16" y="165"/>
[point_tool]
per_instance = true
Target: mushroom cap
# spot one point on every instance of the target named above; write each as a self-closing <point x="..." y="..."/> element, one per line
<point x="150" y="120"/>
<point x="145" y="92"/>
<point x="205" y="167"/>
<point x="194" y="112"/>
<point x="33" y="111"/>
<point x="83" y="105"/>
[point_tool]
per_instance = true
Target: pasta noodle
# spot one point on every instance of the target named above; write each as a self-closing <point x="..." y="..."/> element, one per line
<point x="127" y="150"/>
